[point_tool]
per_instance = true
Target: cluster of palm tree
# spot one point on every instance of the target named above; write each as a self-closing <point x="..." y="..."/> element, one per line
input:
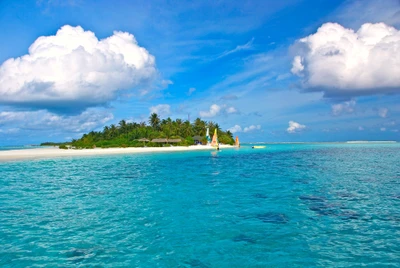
<point x="128" y="133"/>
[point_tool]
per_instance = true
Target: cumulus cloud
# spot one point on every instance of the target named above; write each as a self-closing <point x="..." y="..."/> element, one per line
<point x="252" y="128"/>
<point x="161" y="109"/>
<point x="344" y="62"/>
<point x="75" y="68"/>
<point x="383" y="112"/>
<point x="383" y="129"/>
<point x="213" y="111"/>
<point x="218" y="109"/>
<point x="44" y="120"/>
<point x="295" y="127"/>
<point x="237" y="128"/>
<point x="342" y="108"/>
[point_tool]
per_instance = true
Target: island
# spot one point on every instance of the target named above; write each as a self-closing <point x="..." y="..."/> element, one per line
<point x="158" y="135"/>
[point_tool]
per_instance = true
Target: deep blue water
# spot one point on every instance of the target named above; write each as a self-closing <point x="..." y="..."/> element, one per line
<point x="289" y="205"/>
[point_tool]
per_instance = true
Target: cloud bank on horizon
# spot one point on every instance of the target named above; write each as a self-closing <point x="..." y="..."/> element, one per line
<point x="73" y="70"/>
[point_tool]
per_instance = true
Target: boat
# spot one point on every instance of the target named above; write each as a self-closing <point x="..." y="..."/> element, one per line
<point x="214" y="141"/>
<point x="237" y="143"/>
<point x="258" y="147"/>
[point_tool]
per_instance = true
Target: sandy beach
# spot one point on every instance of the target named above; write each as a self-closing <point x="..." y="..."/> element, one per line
<point x="36" y="153"/>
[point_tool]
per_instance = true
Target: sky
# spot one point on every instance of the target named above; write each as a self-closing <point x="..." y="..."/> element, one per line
<point x="268" y="71"/>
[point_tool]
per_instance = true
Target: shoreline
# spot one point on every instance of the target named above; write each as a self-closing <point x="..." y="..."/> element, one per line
<point x="55" y="152"/>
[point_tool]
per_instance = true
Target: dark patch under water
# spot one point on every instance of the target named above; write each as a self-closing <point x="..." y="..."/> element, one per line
<point x="300" y="181"/>
<point x="262" y="196"/>
<point x="273" y="217"/>
<point x="312" y="198"/>
<point x="196" y="263"/>
<point x="243" y="238"/>
<point x="77" y="255"/>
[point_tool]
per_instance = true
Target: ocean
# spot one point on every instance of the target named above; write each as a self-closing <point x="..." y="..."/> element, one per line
<point x="288" y="205"/>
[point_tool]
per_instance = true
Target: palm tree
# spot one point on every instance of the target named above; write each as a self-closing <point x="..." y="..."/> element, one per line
<point x="199" y="127"/>
<point x="229" y="133"/>
<point x="122" y="126"/>
<point x="113" y="131"/>
<point x="154" y="121"/>
<point x="187" y="130"/>
<point x="218" y="128"/>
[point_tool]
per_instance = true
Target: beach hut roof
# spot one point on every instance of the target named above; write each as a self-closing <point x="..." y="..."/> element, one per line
<point x="143" y="139"/>
<point x="159" y="140"/>
<point x="174" y="140"/>
<point x="198" y="138"/>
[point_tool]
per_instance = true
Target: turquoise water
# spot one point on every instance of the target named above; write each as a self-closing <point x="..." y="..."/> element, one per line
<point x="17" y="147"/>
<point x="302" y="205"/>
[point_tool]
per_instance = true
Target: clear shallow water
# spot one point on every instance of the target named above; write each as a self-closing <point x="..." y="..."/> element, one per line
<point x="302" y="205"/>
<point x="17" y="147"/>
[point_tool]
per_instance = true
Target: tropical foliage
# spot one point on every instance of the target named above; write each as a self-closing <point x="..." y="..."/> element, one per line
<point x="129" y="134"/>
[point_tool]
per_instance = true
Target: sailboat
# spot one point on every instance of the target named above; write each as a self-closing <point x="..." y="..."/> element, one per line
<point x="237" y="143"/>
<point x="214" y="141"/>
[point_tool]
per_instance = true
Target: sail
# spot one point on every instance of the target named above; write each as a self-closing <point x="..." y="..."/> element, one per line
<point x="237" y="143"/>
<point x="208" y="136"/>
<point x="214" y="141"/>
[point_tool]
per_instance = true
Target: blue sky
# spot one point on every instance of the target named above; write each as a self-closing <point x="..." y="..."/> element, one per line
<point x="295" y="70"/>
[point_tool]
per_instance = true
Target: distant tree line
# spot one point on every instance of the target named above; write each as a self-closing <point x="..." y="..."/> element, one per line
<point x="128" y="134"/>
<point x="55" y="143"/>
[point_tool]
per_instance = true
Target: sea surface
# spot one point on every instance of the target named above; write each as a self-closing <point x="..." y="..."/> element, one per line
<point x="288" y="205"/>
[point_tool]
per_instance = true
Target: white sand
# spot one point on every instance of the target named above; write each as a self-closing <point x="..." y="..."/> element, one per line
<point x="24" y="154"/>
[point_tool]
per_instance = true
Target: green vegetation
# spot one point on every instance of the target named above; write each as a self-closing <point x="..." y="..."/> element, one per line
<point x="55" y="143"/>
<point x="129" y="134"/>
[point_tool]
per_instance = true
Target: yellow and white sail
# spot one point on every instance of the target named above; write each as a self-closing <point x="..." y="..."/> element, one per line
<point x="237" y="143"/>
<point x="214" y="141"/>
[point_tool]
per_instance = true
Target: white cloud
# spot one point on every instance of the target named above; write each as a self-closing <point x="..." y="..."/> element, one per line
<point x="247" y="46"/>
<point x="74" y="68"/>
<point x="297" y="66"/>
<point x="383" y="112"/>
<point x="295" y="127"/>
<point x="161" y="109"/>
<point x="360" y="128"/>
<point x="213" y="111"/>
<point x="191" y="90"/>
<point x="44" y="120"/>
<point x="340" y="61"/>
<point x="383" y="129"/>
<point x="231" y="110"/>
<point x="252" y="128"/>
<point x="238" y="128"/>
<point x="235" y="129"/>
<point x="345" y="107"/>
<point x="9" y="131"/>
<point x="217" y="109"/>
